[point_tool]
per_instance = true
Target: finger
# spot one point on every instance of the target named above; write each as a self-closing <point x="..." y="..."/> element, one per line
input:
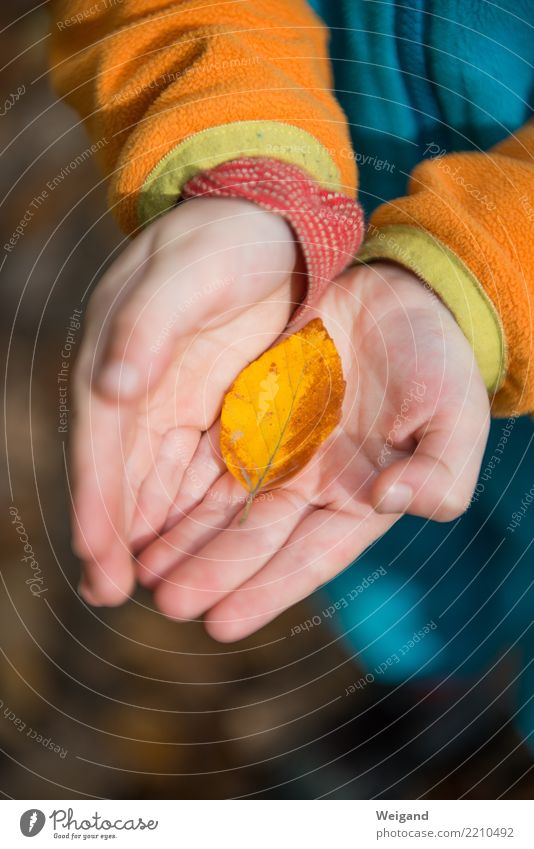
<point x="206" y="467"/>
<point x="231" y="556"/>
<point x="113" y="288"/>
<point x="158" y="490"/>
<point x="110" y="580"/>
<point x="205" y="475"/>
<point x="138" y="339"/>
<point x="438" y="479"/>
<point x="324" y="543"/>
<point x="219" y="505"/>
<point x="96" y="478"/>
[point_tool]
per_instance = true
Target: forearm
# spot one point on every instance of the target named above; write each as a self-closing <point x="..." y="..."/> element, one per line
<point x="466" y="229"/>
<point x="177" y="88"/>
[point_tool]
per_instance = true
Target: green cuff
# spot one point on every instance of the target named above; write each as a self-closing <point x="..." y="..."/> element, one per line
<point x="210" y="147"/>
<point x="460" y="290"/>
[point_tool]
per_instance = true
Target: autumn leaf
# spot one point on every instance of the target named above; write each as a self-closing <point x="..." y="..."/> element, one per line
<point x="281" y="408"/>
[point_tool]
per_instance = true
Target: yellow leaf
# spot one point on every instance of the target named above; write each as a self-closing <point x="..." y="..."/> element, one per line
<point x="281" y="408"/>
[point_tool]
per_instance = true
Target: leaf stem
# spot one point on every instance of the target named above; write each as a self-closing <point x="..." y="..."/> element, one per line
<point x="249" y="502"/>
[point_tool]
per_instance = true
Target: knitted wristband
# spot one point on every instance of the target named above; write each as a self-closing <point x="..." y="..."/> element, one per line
<point x="327" y="225"/>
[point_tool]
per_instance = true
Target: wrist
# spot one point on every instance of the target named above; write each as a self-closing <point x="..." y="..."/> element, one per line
<point x="232" y="250"/>
<point x="392" y="283"/>
<point x="327" y="225"/>
<point x="455" y="283"/>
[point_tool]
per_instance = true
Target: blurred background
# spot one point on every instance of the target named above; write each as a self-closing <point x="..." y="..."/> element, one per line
<point x="123" y="703"/>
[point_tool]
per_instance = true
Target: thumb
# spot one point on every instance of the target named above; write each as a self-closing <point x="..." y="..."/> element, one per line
<point x="437" y="480"/>
<point x="208" y="289"/>
<point x="140" y="334"/>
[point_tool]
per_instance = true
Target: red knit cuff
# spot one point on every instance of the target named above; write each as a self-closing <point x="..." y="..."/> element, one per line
<point x="328" y="225"/>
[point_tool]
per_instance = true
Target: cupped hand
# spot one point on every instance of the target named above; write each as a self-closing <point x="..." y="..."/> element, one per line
<point x="413" y="431"/>
<point x="189" y="303"/>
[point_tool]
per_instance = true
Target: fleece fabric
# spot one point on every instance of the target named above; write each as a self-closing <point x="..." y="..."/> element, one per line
<point x="425" y="104"/>
<point x="176" y="88"/>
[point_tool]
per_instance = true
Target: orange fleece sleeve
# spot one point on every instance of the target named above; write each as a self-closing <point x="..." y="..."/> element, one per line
<point x="466" y="228"/>
<point x="168" y="89"/>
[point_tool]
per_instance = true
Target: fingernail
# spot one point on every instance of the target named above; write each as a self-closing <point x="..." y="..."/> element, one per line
<point x="396" y="499"/>
<point x="119" y="379"/>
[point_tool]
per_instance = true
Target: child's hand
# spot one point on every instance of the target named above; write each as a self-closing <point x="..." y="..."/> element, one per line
<point x="414" y="428"/>
<point x="191" y="301"/>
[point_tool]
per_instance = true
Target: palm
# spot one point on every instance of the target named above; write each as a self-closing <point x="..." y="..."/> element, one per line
<point x="168" y="423"/>
<point x="129" y="456"/>
<point x="402" y="354"/>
